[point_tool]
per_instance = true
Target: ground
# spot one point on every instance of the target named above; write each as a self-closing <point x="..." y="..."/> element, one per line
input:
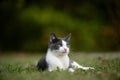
<point x="21" y="66"/>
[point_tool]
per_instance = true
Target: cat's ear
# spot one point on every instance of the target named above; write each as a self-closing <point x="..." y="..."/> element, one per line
<point x="67" y="38"/>
<point x="52" y="37"/>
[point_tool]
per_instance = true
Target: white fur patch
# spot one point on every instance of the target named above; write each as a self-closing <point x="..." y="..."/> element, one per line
<point x="54" y="62"/>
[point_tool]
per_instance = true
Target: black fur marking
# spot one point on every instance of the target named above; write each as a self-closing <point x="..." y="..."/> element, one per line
<point x="55" y="44"/>
<point x="42" y="64"/>
<point x="70" y="64"/>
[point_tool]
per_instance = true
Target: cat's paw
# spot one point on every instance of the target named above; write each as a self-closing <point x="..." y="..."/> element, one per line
<point x="88" y="68"/>
<point x="71" y="70"/>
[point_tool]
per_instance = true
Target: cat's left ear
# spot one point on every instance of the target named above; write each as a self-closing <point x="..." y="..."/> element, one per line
<point x="67" y="38"/>
<point x="52" y="37"/>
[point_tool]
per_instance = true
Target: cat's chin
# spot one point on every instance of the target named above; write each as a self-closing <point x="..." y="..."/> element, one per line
<point x="64" y="52"/>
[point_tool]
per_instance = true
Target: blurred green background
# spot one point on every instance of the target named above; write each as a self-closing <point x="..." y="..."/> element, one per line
<point x="25" y="25"/>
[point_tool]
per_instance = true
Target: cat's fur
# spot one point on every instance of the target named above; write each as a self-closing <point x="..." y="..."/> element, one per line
<point x="57" y="56"/>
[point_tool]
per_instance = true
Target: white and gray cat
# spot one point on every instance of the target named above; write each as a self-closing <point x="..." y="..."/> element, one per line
<point x="57" y="56"/>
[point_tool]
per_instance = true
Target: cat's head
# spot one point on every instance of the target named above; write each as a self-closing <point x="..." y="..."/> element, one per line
<point x="59" y="46"/>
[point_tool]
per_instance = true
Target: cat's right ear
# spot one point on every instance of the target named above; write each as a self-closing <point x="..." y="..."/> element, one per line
<point x="52" y="37"/>
<point x="67" y="38"/>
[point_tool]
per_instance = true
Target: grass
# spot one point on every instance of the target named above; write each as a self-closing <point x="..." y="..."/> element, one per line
<point x="20" y="67"/>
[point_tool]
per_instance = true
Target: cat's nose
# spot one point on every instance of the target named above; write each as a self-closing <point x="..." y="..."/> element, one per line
<point x="65" y="50"/>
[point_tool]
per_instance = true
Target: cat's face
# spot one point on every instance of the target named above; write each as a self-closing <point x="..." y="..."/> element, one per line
<point x="59" y="46"/>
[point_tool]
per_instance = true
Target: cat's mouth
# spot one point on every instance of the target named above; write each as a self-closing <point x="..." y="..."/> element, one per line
<point x="65" y="51"/>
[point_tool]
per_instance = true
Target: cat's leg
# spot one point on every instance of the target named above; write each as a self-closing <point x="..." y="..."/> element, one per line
<point x="75" y="65"/>
<point x="55" y="67"/>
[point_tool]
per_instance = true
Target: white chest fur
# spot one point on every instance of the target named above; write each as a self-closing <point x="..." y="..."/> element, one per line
<point x="54" y="62"/>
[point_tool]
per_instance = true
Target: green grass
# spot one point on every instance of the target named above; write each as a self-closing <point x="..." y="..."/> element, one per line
<point x="20" y="67"/>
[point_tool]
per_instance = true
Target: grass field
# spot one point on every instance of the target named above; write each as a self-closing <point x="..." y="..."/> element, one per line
<point x="19" y="66"/>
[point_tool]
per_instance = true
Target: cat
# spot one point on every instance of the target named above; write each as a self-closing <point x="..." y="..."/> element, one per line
<point x="57" y="56"/>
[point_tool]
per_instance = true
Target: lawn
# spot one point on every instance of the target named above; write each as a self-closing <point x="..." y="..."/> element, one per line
<point x="20" y="66"/>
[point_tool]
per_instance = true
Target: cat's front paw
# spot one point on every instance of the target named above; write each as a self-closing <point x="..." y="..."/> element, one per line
<point x="71" y="70"/>
<point x="88" y="68"/>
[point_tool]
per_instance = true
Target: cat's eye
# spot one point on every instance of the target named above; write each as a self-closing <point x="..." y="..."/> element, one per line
<point x="68" y="45"/>
<point x="56" y="47"/>
<point x="59" y="45"/>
